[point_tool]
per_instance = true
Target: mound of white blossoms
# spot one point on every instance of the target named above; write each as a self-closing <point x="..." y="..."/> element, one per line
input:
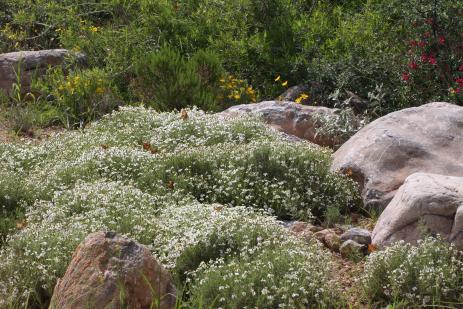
<point x="202" y="193"/>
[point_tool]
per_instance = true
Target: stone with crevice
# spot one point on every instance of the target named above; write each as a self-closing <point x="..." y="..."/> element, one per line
<point x="426" y="204"/>
<point x="385" y="152"/>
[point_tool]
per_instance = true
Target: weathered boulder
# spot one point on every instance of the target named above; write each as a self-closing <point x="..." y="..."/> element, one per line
<point x="425" y="203"/>
<point x="420" y="139"/>
<point x="358" y="235"/>
<point x="106" y="266"/>
<point x="290" y="118"/>
<point x="29" y="64"/>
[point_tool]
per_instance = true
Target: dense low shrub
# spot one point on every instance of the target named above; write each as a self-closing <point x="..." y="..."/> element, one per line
<point x="429" y="273"/>
<point x="157" y="177"/>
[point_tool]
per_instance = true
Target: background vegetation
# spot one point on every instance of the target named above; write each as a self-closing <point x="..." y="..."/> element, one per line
<point x="171" y="54"/>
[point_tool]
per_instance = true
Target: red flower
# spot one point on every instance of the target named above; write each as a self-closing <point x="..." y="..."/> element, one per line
<point x="427" y="34"/>
<point x="429" y="21"/>
<point x="422" y="44"/>
<point x="454" y="90"/>
<point x="460" y="68"/>
<point x="424" y="58"/>
<point x="405" y="76"/>
<point x="459" y="81"/>
<point x="432" y="60"/>
<point x="441" y="40"/>
<point x="413" y="43"/>
<point x="412" y="65"/>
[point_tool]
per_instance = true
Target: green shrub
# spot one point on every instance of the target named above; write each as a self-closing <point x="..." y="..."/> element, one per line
<point x="167" y="81"/>
<point x="80" y="96"/>
<point x="428" y="274"/>
<point x="280" y="275"/>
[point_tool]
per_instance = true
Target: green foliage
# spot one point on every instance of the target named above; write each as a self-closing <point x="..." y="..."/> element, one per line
<point x="155" y="177"/>
<point x="167" y="81"/>
<point x="274" y="276"/>
<point x="78" y="97"/>
<point x="347" y="46"/>
<point x="428" y="274"/>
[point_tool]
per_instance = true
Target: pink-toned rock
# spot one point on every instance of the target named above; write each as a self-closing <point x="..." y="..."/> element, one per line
<point x="385" y="152"/>
<point x="106" y="266"/>
<point x="290" y="118"/>
<point x="424" y="204"/>
<point x="30" y="64"/>
<point x="329" y="238"/>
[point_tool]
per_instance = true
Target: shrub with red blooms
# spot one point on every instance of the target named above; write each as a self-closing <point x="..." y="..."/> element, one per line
<point x="433" y="65"/>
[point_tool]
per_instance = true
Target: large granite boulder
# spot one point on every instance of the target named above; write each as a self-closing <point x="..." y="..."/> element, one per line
<point x="289" y="117"/>
<point x="424" y="204"/>
<point x="421" y="139"/>
<point x="29" y="64"/>
<point x="106" y="266"/>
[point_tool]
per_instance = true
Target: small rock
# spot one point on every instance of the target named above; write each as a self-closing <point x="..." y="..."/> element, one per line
<point x="352" y="250"/>
<point x="329" y="238"/>
<point x="106" y="266"/>
<point x="298" y="226"/>
<point x="320" y="235"/>
<point x="358" y="235"/>
<point x="332" y="241"/>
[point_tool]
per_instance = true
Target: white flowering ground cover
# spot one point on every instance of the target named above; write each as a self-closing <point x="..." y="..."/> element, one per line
<point x="204" y="194"/>
<point x="428" y="274"/>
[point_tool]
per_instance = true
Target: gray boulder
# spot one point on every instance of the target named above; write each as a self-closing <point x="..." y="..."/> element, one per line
<point x="29" y="64"/>
<point x="424" y="204"/>
<point x="421" y="139"/>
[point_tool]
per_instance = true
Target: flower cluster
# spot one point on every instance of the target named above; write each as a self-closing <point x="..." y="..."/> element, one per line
<point x="435" y="55"/>
<point x="157" y="178"/>
<point x="235" y="91"/>
<point x="429" y="273"/>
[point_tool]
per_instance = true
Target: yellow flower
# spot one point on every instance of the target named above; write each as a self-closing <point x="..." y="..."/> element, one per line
<point x="99" y="90"/>
<point x="237" y="97"/>
<point x="93" y="29"/>
<point x="301" y="97"/>
<point x="285" y="84"/>
<point x="249" y="90"/>
<point x="278" y="78"/>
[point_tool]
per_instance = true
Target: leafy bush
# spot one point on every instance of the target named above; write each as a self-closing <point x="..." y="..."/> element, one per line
<point x="427" y="274"/>
<point x="342" y="125"/>
<point x="79" y="97"/>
